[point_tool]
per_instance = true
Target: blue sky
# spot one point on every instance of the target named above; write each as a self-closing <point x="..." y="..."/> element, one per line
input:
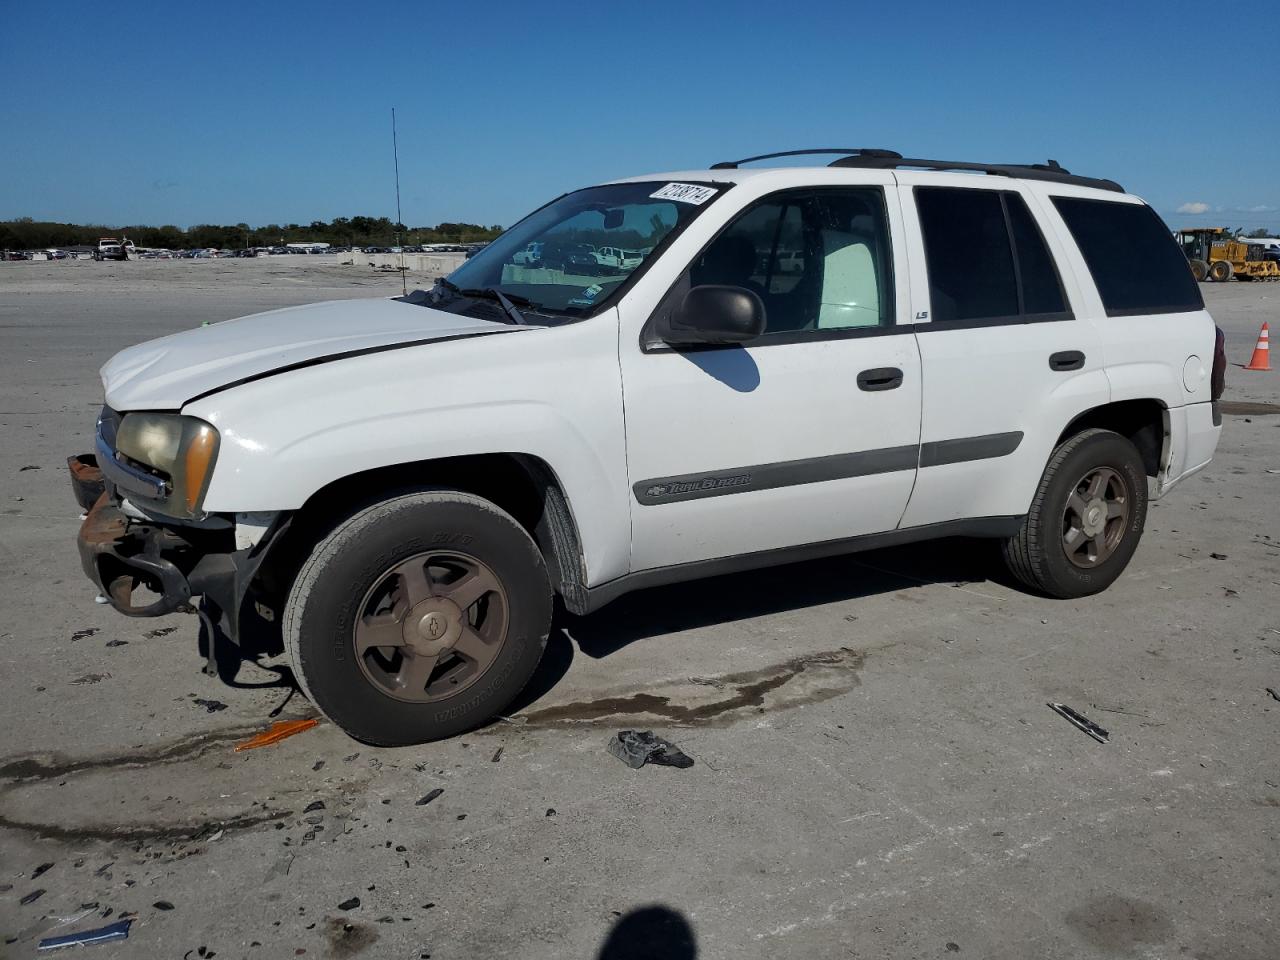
<point x="148" y="112"/>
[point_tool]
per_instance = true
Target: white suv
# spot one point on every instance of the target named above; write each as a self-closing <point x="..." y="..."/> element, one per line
<point x="399" y="488"/>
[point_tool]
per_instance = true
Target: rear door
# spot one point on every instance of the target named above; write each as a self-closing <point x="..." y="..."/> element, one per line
<point x="1007" y="356"/>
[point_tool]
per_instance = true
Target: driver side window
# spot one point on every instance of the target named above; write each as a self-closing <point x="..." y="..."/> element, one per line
<point x="818" y="259"/>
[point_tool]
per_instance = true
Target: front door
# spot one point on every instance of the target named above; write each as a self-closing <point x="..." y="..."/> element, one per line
<point x="808" y="433"/>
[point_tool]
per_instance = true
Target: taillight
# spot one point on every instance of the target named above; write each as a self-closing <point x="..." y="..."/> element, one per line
<point x="1218" y="382"/>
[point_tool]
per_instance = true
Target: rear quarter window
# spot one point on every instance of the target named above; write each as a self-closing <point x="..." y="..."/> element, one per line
<point x="1136" y="264"/>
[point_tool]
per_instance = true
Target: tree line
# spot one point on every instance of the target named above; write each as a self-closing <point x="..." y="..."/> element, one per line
<point x="28" y="234"/>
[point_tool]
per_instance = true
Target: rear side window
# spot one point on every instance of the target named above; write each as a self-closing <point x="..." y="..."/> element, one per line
<point x="1135" y="262"/>
<point x="987" y="259"/>
<point x="966" y="245"/>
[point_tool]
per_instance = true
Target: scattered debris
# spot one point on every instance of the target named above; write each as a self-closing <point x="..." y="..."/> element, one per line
<point x="1217" y="556"/>
<point x="212" y="706"/>
<point x="217" y="836"/>
<point x="117" y="642"/>
<point x="31" y="897"/>
<point x="313" y="806"/>
<point x="1080" y="721"/>
<point x="29" y="466"/>
<point x="91" y="678"/>
<point x="115" y="931"/>
<point x="160" y="632"/>
<point x="1274" y="694"/>
<point x="83" y="634"/>
<point x="515" y="721"/>
<point x="636" y="748"/>
<point x="163" y="905"/>
<point x="497" y="755"/>
<point x="317" y="765"/>
<point x="551" y="811"/>
<point x="423" y="801"/>
<point x="43" y="868"/>
<point x="953" y="947"/>
<point x="280" y="730"/>
<point x="349" y="904"/>
<point x="1228" y="592"/>
<point x="707" y="681"/>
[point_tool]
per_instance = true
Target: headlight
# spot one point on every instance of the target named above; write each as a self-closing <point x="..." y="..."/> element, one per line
<point x="183" y="449"/>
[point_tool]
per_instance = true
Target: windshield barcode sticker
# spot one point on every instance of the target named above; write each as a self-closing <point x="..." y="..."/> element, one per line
<point x="685" y="193"/>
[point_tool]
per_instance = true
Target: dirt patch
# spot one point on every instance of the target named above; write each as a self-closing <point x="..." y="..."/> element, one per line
<point x="1118" y="925"/>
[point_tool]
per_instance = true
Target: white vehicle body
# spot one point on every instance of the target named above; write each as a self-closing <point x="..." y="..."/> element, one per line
<point x="307" y="396"/>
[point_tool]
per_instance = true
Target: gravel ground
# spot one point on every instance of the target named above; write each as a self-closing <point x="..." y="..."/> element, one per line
<point x="877" y="774"/>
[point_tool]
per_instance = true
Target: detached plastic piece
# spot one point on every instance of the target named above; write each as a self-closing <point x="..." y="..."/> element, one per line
<point x="115" y="931"/>
<point x="636" y="748"/>
<point x="278" y="731"/>
<point x="1080" y="721"/>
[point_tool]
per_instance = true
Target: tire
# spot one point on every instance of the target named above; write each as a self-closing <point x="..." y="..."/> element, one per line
<point x="349" y="585"/>
<point x="1199" y="270"/>
<point x="1039" y="555"/>
<point x="1221" y="270"/>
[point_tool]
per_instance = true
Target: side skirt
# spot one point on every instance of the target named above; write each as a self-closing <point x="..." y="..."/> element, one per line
<point x="996" y="527"/>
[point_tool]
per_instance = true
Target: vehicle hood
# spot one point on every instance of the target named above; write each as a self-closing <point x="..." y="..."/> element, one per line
<point x="165" y="374"/>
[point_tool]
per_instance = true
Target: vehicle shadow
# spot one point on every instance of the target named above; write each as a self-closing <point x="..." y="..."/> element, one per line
<point x="742" y="596"/>
<point x="655" y="932"/>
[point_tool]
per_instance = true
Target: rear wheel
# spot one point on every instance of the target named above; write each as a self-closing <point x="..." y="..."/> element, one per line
<point x="419" y="617"/>
<point x="1221" y="270"/>
<point x="1086" y="519"/>
<point x="1199" y="270"/>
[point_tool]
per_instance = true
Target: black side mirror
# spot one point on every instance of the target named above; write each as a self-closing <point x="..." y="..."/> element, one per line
<point x="715" y="314"/>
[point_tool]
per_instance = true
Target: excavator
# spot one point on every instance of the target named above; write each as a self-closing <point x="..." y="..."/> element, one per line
<point x="1215" y="254"/>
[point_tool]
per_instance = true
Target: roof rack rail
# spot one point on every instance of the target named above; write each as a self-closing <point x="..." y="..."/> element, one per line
<point x="846" y="151"/>
<point x="1051" y="171"/>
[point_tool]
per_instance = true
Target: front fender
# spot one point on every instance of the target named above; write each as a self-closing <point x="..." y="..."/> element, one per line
<point x="555" y="394"/>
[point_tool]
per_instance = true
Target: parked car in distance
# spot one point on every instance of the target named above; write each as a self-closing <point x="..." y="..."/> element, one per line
<point x="396" y="491"/>
<point x="530" y="256"/>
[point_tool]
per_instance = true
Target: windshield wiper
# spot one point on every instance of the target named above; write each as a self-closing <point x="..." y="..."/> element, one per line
<point x="508" y="301"/>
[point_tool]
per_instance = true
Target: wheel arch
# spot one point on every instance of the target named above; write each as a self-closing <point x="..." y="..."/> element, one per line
<point x="523" y="485"/>
<point x="1145" y="422"/>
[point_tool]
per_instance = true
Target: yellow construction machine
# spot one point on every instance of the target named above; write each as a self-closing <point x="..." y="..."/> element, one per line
<point x="1215" y="254"/>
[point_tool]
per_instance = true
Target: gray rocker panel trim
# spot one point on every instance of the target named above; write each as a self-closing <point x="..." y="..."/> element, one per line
<point x="840" y="466"/>
<point x="598" y="596"/>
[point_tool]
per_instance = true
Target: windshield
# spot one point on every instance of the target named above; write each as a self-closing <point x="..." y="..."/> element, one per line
<point x="573" y="254"/>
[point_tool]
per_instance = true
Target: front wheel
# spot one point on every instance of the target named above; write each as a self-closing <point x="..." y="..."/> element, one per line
<point x="1086" y="519"/>
<point x="418" y="618"/>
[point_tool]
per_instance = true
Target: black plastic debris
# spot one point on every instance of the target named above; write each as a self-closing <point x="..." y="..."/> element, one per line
<point x="117" y="642"/>
<point x="317" y="765"/>
<point x="1273" y="693"/>
<point x="212" y="706"/>
<point x="423" y="801"/>
<point x="115" y="931"/>
<point x="83" y="634"/>
<point x="31" y="897"/>
<point x="497" y="755"/>
<point x="41" y="869"/>
<point x="1080" y="721"/>
<point x="313" y="806"/>
<point x="636" y="748"/>
<point x="1218" y="556"/>
<point x="349" y="904"/>
<point x="163" y="905"/>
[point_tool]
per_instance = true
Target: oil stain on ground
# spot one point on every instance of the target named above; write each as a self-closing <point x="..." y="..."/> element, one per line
<point x="43" y="772"/>
<point x="802" y="680"/>
<point x="346" y="938"/>
<point x="1118" y="925"/>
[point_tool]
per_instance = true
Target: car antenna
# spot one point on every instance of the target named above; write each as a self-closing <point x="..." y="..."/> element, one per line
<point x="395" y="152"/>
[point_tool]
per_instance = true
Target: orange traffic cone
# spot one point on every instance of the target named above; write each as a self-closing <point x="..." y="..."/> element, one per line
<point x="1262" y="352"/>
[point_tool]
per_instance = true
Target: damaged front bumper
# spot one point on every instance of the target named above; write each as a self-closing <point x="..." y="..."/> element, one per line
<point x="148" y="569"/>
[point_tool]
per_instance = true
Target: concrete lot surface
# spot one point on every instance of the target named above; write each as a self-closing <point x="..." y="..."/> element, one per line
<point x="877" y="773"/>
